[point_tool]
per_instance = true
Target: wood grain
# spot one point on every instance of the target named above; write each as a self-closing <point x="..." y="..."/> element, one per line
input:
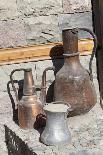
<point x="40" y="52"/>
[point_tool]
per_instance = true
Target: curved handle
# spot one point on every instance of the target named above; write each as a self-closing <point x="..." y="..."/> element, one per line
<point x="12" y="82"/>
<point x="43" y="86"/>
<point x="94" y="49"/>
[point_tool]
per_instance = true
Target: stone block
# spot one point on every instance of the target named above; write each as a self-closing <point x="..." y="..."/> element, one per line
<point x="42" y="29"/>
<point x="39" y="8"/>
<point x="75" y="20"/>
<point x="41" y="20"/>
<point x="8" y="9"/>
<point x="12" y="33"/>
<point x="72" y="6"/>
<point x="5" y="104"/>
<point x="86" y="138"/>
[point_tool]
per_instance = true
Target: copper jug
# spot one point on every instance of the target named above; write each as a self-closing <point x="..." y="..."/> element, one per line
<point x="73" y="83"/>
<point x="29" y="107"/>
<point x="56" y="131"/>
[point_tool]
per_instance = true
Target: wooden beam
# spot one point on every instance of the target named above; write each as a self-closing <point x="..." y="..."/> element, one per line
<point x="40" y="52"/>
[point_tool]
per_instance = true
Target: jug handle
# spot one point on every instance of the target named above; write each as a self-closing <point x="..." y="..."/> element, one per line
<point x="94" y="49"/>
<point x="43" y="85"/>
<point x="12" y="82"/>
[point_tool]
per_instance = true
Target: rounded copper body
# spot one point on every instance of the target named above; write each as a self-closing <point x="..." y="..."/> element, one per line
<point x="28" y="110"/>
<point x="72" y="83"/>
<point x="30" y="106"/>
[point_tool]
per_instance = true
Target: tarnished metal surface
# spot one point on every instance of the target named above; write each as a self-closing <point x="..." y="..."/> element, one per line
<point x="43" y="85"/>
<point x="29" y="107"/>
<point x="28" y="87"/>
<point x="72" y="83"/>
<point x="56" y="131"/>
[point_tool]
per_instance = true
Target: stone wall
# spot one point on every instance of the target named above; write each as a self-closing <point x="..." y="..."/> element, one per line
<point x="24" y="22"/>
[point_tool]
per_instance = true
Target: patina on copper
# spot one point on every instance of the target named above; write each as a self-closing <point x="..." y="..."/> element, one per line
<point x="29" y="107"/>
<point x="73" y="83"/>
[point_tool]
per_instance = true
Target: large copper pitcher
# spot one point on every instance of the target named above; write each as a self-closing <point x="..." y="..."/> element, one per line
<point x="73" y="83"/>
<point x="29" y="107"/>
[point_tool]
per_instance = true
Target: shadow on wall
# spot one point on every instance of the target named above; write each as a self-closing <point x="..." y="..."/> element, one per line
<point x="15" y="145"/>
<point x="20" y="94"/>
<point x="56" y="55"/>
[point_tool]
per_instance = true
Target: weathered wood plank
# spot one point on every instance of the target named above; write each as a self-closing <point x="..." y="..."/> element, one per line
<point x="40" y="52"/>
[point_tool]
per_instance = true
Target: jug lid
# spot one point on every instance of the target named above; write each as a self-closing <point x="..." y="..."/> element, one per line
<point x="56" y="107"/>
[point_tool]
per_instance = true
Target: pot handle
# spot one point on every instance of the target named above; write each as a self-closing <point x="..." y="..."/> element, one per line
<point x="94" y="49"/>
<point x="12" y="82"/>
<point x="43" y="85"/>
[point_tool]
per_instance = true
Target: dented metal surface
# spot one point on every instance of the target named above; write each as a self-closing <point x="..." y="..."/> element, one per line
<point x="56" y="131"/>
<point x="73" y="83"/>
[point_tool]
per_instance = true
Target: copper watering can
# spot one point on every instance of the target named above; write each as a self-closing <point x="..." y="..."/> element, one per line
<point x="56" y="131"/>
<point x="73" y="83"/>
<point x="29" y="107"/>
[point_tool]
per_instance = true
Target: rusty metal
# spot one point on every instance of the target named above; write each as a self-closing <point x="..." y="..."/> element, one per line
<point x="29" y="107"/>
<point x="43" y="85"/>
<point x="56" y="131"/>
<point x="73" y="84"/>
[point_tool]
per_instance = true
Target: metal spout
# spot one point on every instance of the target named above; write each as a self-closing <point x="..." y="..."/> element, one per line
<point x="28" y="88"/>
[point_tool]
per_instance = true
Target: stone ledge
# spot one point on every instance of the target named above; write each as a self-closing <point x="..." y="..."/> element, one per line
<point x="86" y="137"/>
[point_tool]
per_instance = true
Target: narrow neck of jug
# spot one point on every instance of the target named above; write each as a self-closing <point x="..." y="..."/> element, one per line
<point x="70" y="46"/>
<point x="70" y="41"/>
<point x="28" y="88"/>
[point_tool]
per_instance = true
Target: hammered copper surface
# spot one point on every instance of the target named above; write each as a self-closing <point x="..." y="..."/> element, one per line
<point x="28" y="110"/>
<point x="72" y="83"/>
